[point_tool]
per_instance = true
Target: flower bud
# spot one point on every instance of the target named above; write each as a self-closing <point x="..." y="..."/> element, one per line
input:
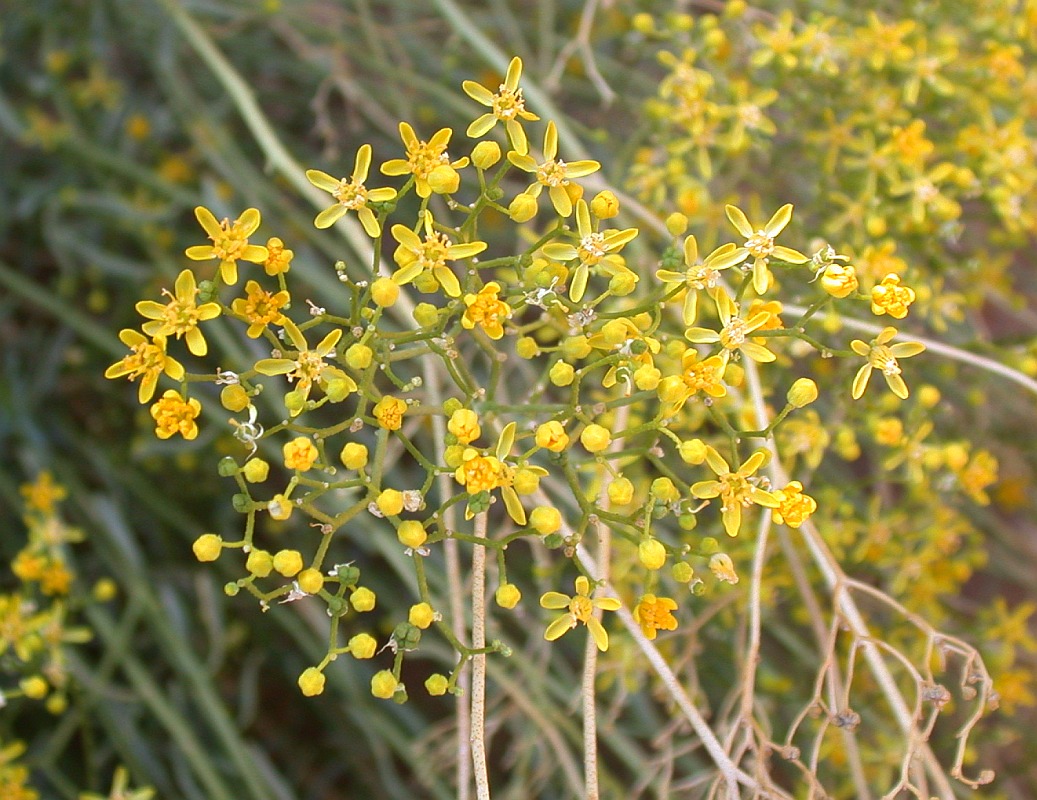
<point x="353" y="455"/>
<point x="363" y="599"/>
<point x="647" y="377"/>
<point x="523" y="208"/>
<point x="605" y="205"/>
<point x="486" y="154"/>
<point x="436" y="684"/>
<point x="385" y="292"/>
<point x="444" y="179"/>
<point x="362" y="646"/>
<point x="390" y="502"/>
<point x="562" y="374"/>
<point x="682" y="572"/>
<point x="426" y="314"/>
<point x="802" y="393"/>
<point x="621" y="492"/>
<point x="359" y="356"/>
<point x="623" y="283"/>
<point x="311" y="682"/>
<point x="545" y="519"/>
<point x="676" y="224"/>
<point x="693" y="451"/>
<point x="259" y="563"/>
<point x="664" y="490"/>
<point x="576" y="347"/>
<point x="288" y="562"/>
<point x="256" y="470"/>
<point x="310" y="581"/>
<point x="839" y="280"/>
<point x="651" y="553"/>
<point x="464" y="424"/>
<point x="383" y="684"/>
<point x="551" y="436"/>
<point x="411" y="534"/>
<point x="207" y="547"/>
<point x="527" y="347"/>
<point x="526" y="482"/>
<point x="507" y="595"/>
<point x="421" y="615"/>
<point x="233" y="397"/>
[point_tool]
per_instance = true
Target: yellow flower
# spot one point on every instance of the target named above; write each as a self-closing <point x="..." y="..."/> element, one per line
<point x="479" y="472"/>
<point x="839" y="280"/>
<point x="506" y="105"/>
<point x="760" y="245"/>
<point x="552" y="173"/>
<point x="260" y="308"/>
<point x="300" y="453"/>
<point x="43" y="494"/>
<point x="307" y="368"/>
<point x="486" y="310"/>
<point x="883" y="357"/>
<point x="595" y="438"/>
<point x="700" y="275"/>
<point x="425" y="161"/>
<point x="351" y="194"/>
<point x="625" y="338"/>
<point x="696" y="376"/>
<point x="464" y="424"/>
<point x="389" y="412"/>
<point x="579" y="608"/>
<point x="229" y="242"/>
<point x="551" y="436"/>
<point x="794" y="507"/>
<point x="173" y="414"/>
<point x="734" y="333"/>
<point x="147" y="361"/>
<point x="279" y="258"/>
<point x="593" y="248"/>
<point x="653" y="614"/>
<point x="180" y="316"/>
<point x="736" y="489"/>
<point x="417" y="255"/>
<point x="889" y="297"/>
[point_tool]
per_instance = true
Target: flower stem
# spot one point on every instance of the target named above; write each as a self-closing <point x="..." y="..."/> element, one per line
<point x="478" y="735"/>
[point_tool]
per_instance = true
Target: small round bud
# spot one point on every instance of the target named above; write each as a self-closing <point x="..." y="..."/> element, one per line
<point x="363" y="599"/>
<point x="353" y="455"/>
<point x="688" y="521"/>
<point x="411" y="534"/>
<point x="444" y="179"/>
<point x="551" y="436"/>
<point x="288" y="562"/>
<point x="643" y="23"/>
<point x="693" y="451"/>
<point x="839" y="280"/>
<point x="682" y="572"/>
<point x="651" y="553"/>
<point x="623" y="283"/>
<point x="280" y="507"/>
<point x="523" y="208"/>
<point x="615" y="332"/>
<point x="664" y="490"/>
<point x="426" y="315"/>
<point x="34" y="687"/>
<point x="526" y="482"/>
<point x="486" y="154"/>
<point x="390" y="502"/>
<point x="647" y="377"/>
<point x="421" y="615"/>
<point x="256" y="470"/>
<point x="562" y="374"/>
<point x="436" y="684"/>
<point x="56" y="704"/>
<point x="385" y="292"/>
<point x="708" y="546"/>
<point x="362" y="646"/>
<point x="802" y="393"/>
<point x="310" y="581"/>
<point x="294" y="402"/>
<point x="207" y="547"/>
<point x="527" y="347"/>
<point x="233" y="397"/>
<point x="928" y="396"/>
<point x="605" y="205"/>
<point x="463" y="423"/>
<point x="231" y="589"/>
<point x="453" y="455"/>
<point x="259" y="563"/>
<point x="339" y="389"/>
<point x="545" y="519"/>
<point x="383" y="684"/>
<point x="676" y="224"/>
<point x="595" y="438"/>
<point x="311" y="682"/>
<point x="576" y="347"/>
<point x="359" y="356"/>
<point x="621" y="492"/>
<point x="507" y="595"/>
<point x="104" y="590"/>
<point x="227" y="467"/>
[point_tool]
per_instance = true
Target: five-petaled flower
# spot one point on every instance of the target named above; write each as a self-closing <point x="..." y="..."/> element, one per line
<point x="883" y="357"/>
<point x="578" y="608"/>
<point x="181" y="315"/>
<point x="416" y="255"/>
<point x="147" y="361"/>
<point x="701" y="275"/>
<point x="734" y="333"/>
<point x="173" y="414"/>
<point x="737" y="490"/>
<point x="759" y="243"/>
<point x="229" y="242"/>
<point x="889" y="297"/>
<point x="506" y="105"/>
<point x="351" y="194"/>
<point x="260" y="308"/>
<point x="486" y="310"/>
<point x="654" y="614"/>
<point x="696" y="375"/>
<point x="307" y="368"/>
<point x="428" y="162"/>
<point x="482" y="472"/>
<point x="794" y="507"/>
<point x="594" y="248"/>
<point x="553" y="173"/>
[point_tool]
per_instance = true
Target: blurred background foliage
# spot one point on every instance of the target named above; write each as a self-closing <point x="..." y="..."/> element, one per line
<point x="903" y="132"/>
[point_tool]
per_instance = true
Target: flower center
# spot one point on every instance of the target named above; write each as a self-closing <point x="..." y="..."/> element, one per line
<point x="424" y="158"/>
<point x="229" y="245"/>
<point x="702" y="277"/>
<point x="508" y="104"/>
<point x="733" y="335"/>
<point x="735" y="490"/>
<point x="760" y="245"/>
<point x="434" y="251"/>
<point x="552" y="173"/>
<point x="581" y="608"/>
<point x="882" y="358"/>
<point x="351" y="194"/>
<point x="592" y="248"/>
<point x="308" y="367"/>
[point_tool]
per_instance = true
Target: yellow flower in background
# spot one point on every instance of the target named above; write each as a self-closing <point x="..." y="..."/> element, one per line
<point x="486" y="310"/>
<point x="229" y="242"/>
<point x="430" y="254"/>
<point x="701" y="275"/>
<point x="351" y="194"/>
<point x="173" y="414"/>
<point x="181" y="315"/>
<point x="428" y="162"/>
<point x="147" y="361"/>
<point x="43" y="494"/>
<point x="592" y="248"/>
<point x="260" y="308"/>
<point x="883" y="357"/>
<point x="553" y="174"/>
<point x="889" y="297"/>
<point x="654" y="614"/>
<point x="736" y="490"/>
<point x="506" y="105"/>
<point x="578" y="608"/>
<point x="759" y="243"/>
